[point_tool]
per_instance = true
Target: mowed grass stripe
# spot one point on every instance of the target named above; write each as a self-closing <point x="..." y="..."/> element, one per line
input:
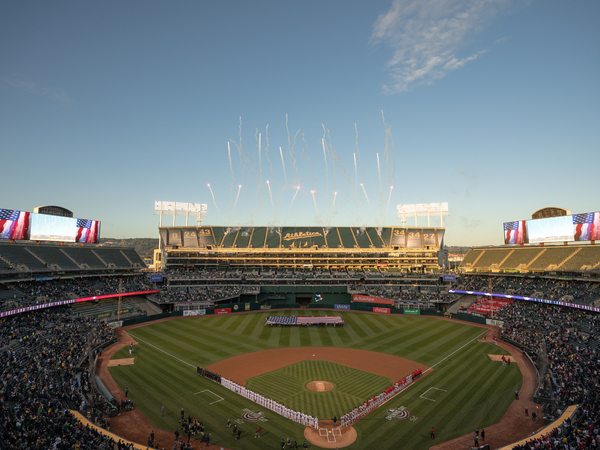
<point x="203" y="335"/>
<point x="355" y="327"/>
<point x="401" y="335"/>
<point x="365" y="325"/>
<point x="183" y="345"/>
<point x="377" y="323"/>
<point x="252" y="325"/>
<point x="483" y="393"/>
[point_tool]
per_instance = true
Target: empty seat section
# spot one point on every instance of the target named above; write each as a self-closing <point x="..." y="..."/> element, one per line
<point x="18" y="255"/>
<point x="84" y="256"/>
<point x="112" y="256"/>
<point x="54" y="255"/>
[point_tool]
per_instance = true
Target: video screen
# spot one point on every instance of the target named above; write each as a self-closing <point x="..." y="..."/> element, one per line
<point x="64" y="229"/>
<point x="577" y="227"/>
<point x="14" y="224"/>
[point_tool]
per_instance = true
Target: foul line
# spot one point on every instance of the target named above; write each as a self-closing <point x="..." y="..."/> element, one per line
<point x="430" y="399"/>
<point x="208" y="390"/>
<point x="166" y="353"/>
<point x="455" y="351"/>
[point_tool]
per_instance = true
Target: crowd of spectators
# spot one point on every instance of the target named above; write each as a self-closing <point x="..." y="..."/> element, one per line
<point x="572" y="291"/>
<point x="45" y="374"/>
<point x="27" y="293"/>
<point x="566" y="338"/>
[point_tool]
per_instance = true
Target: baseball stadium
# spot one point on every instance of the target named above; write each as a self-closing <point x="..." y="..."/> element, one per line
<point x="298" y="337"/>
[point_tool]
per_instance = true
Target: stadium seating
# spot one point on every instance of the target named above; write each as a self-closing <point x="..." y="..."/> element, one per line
<point x="19" y="256"/>
<point x="54" y="255"/>
<point x="519" y="258"/>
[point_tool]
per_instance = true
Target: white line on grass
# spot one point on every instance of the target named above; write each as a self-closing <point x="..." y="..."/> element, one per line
<point x="455" y="351"/>
<point x="412" y="384"/>
<point x="430" y="399"/>
<point x="208" y="390"/>
<point x="160" y="349"/>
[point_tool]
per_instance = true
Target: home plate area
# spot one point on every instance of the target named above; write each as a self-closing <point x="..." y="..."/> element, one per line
<point x="330" y="434"/>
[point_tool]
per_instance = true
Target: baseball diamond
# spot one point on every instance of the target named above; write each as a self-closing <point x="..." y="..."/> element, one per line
<point x="478" y="389"/>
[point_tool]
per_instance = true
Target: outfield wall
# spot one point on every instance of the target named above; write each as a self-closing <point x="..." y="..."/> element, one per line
<point x="254" y="307"/>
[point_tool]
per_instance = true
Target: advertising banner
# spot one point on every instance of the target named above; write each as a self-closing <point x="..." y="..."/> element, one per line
<point x="377" y="309"/>
<point x="223" y="311"/>
<point x="369" y="299"/>
<point x="156" y="277"/>
<point x="449" y="277"/>
<point x="416" y="312"/>
<point x="265" y="306"/>
<point x="337" y="306"/>
<point x="197" y="312"/>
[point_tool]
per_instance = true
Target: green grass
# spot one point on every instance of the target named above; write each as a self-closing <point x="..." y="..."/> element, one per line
<point x="470" y="390"/>
<point x="288" y="385"/>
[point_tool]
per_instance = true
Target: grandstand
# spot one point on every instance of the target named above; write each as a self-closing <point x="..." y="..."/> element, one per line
<point x="26" y="260"/>
<point x="574" y="259"/>
<point x="407" y="249"/>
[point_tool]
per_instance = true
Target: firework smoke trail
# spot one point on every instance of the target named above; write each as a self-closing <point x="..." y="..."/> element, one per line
<point x="267" y="150"/>
<point x="230" y="165"/>
<point x="388" y="203"/>
<point x="333" y="204"/>
<point x="236" y="199"/>
<point x="325" y="157"/>
<point x="215" y="202"/>
<point x="314" y="201"/>
<point x="355" y="171"/>
<point x="283" y="164"/>
<point x="259" y="160"/>
<point x="293" y="198"/>
<point x="270" y="194"/>
<point x="379" y="173"/>
<point x="366" y="196"/>
<point x="362" y="177"/>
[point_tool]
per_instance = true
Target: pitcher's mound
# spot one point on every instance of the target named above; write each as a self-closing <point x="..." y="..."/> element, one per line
<point x="320" y="386"/>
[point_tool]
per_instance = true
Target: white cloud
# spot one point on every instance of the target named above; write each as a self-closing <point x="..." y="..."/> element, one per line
<point x="29" y="86"/>
<point x="427" y="35"/>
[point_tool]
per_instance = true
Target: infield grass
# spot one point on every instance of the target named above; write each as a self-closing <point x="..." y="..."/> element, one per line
<point x="465" y="390"/>
<point x="288" y="385"/>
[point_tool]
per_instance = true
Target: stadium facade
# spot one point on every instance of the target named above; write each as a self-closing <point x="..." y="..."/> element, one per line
<point x="418" y="250"/>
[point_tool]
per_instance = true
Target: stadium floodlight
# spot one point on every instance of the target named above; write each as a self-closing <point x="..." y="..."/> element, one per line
<point x="423" y="210"/>
<point x="180" y="209"/>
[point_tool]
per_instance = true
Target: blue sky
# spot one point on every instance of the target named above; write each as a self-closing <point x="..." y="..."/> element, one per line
<point x="490" y="105"/>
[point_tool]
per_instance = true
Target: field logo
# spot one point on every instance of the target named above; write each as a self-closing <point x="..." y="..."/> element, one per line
<point x="398" y="413"/>
<point x="253" y="416"/>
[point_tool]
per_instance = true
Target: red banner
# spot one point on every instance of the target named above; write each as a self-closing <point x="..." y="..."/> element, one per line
<point x="223" y="311"/>
<point x="123" y="294"/>
<point x="369" y="299"/>
<point x="377" y="309"/>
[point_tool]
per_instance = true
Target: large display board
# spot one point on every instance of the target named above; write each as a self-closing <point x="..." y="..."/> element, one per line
<point x="42" y="227"/>
<point x="576" y="227"/>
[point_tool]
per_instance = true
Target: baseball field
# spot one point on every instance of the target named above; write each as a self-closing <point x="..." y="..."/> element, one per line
<point x="463" y="387"/>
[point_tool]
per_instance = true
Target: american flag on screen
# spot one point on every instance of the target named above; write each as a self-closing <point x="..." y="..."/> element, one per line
<point x="514" y="232"/>
<point x="87" y="231"/>
<point x="584" y="226"/>
<point x="14" y="224"/>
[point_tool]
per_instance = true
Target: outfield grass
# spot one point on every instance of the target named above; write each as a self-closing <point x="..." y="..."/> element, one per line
<point x="464" y="391"/>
